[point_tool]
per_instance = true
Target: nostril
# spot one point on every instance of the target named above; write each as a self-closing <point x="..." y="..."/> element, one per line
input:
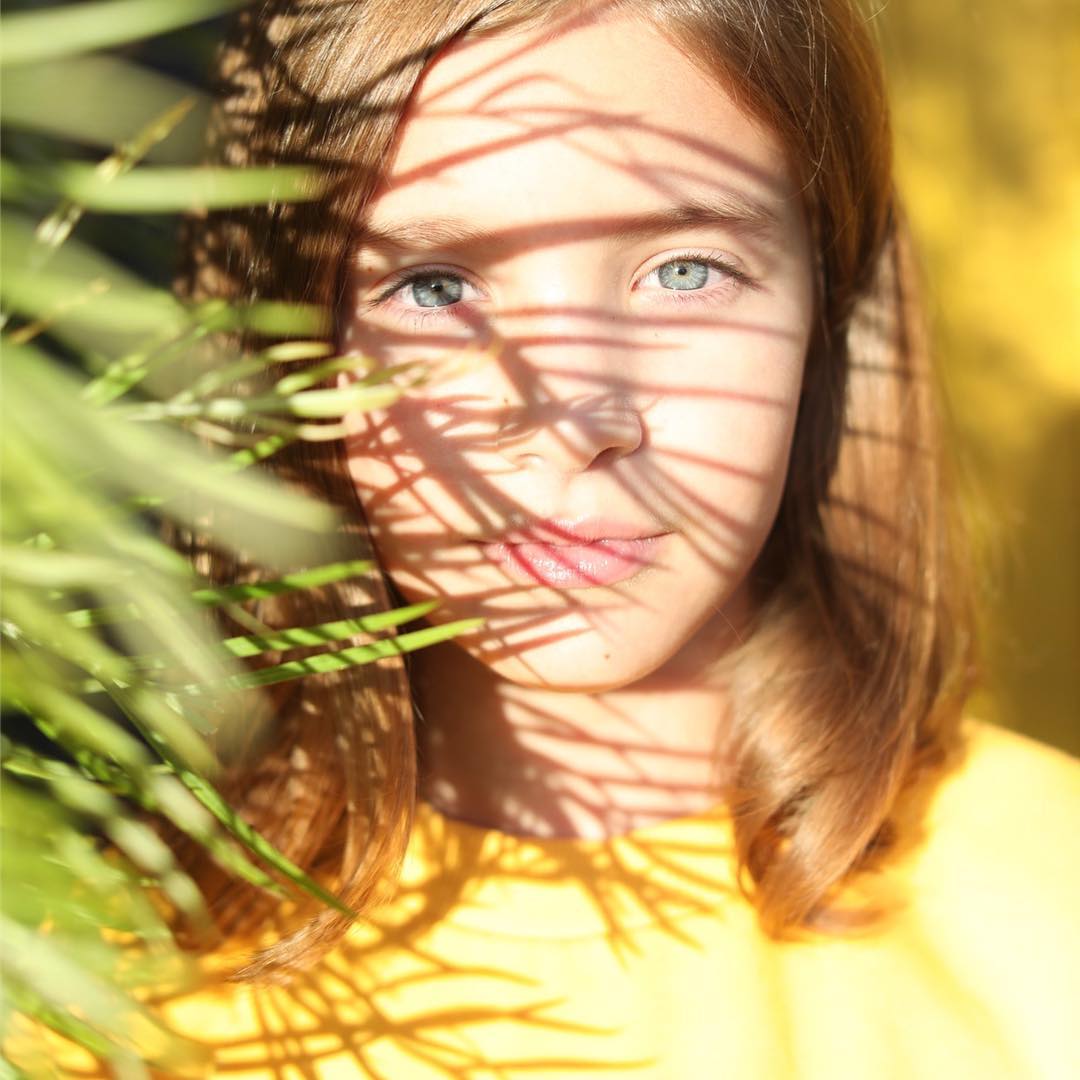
<point x="608" y="457"/>
<point x="571" y="436"/>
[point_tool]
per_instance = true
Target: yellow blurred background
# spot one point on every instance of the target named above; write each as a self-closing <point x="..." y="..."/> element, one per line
<point x="986" y="101"/>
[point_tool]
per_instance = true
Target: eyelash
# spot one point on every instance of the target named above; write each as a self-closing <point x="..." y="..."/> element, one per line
<point x="715" y="261"/>
<point x="407" y="277"/>
<point x="415" y="316"/>
<point x="418" y="315"/>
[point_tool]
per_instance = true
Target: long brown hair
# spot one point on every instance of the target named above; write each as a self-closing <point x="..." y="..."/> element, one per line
<point x="860" y="648"/>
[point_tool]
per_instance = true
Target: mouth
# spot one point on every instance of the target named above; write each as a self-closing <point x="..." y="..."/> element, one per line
<point x="575" y="556"/>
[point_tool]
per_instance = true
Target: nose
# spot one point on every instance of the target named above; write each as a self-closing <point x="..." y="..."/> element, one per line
<point x="569" y="367"/>
<point x="571" y="436"/>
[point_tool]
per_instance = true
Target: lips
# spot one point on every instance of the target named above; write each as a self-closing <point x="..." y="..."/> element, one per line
<point x="565" y="555"/>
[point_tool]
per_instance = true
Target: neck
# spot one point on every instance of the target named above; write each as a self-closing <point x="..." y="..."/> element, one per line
<point x="539" y="762"/>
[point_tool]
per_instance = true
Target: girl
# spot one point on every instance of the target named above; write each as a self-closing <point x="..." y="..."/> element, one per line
<point x="696" y="798"/>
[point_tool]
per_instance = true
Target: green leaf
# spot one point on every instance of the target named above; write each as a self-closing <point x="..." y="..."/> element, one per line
<point x="167" y="729"/>
<point x="313" y="578"/>
<point x="262" y="450"/>
<point x="256" y="843"/>
<point x="28" y="36"/>
<point x="275" y="525"/>
<point x="59" y="893"/>
<point x="301" y="636"/>
<point x="322" y="663"/>
<point x="288" y="351"/>
<point x="60" y="570"/>
<point x="60" y="1020"/>
<point x="35" y="619"/>
<point x="87" y="301"/>
<point x="171" y="798"/>
<point x="305" y="579"/>
<point x="135" y="839"/>
<point x="301" y="380"/>
<point x="323" y="404"/>
<point x="42" y="966"/>
<point x="155" y="792"/>
<point x="161" y="189"/>
<point x="57" y="227"/>
<point x="268" y="317"/>
<point x="309" y="404"/>
<point x="75" y="722"/>
<point x="101" y="100"/>
<point x="54" y="874"/>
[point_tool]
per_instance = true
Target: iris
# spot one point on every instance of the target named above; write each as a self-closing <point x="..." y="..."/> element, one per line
<point x="683" y="274"/>
<point x="436" y="290"/>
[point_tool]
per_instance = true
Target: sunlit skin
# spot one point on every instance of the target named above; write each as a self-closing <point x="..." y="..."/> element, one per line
<point x="606" y="264"/>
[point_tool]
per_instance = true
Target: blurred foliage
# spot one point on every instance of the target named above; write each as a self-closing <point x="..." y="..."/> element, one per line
<point x="987" y="115"/>
<point x="112" y="676"/>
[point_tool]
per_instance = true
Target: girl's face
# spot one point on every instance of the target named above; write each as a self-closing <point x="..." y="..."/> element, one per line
<point x="605" y="264"/>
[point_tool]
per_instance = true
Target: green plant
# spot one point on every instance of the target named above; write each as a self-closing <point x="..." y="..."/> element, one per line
<point x="111" y="676"/>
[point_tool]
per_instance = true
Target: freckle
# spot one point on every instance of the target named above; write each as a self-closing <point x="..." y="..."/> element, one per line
<point x="607" y="656"/>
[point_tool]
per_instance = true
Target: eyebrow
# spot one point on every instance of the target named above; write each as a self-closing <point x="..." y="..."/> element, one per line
<point x="730" y="210"/>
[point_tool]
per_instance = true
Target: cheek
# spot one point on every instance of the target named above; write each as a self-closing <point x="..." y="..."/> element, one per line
<point x="722" y="435"/>
<point x="418" y="468"/>
<point x="375" y="452"/>
<point x="387" y="467"/>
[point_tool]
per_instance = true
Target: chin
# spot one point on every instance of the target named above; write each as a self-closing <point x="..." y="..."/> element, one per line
<point x="608" y="643"/>
<point x="573" y="664"/>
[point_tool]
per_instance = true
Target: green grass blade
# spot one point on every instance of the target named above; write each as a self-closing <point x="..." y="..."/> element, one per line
<point x="132" y="837"/>
<point x="160" y="189"/>
<point x="273" y="524"/>
<point x="24" y="610"/>
<point x="72" y="721"/>
<point x="307" y="404"/>
<point x="99" y="100"/>
<point x="322" y="663"/>
<point x="153" y="792"/>
<point x="58" y="569"/>
<point x="29" y="36"/>
<point x="253" y="644"/>
<point x="57" y="227"/>
<point x="61" y="1021"/>
<point x="289" y="351"/>
<point x="168" y="730"/>
<point x="263" y="449"/>
<point x="312" y="578"/>
<point x="302" y="380"/>
<point x="304" y="579"/>
<point x="272" y="318"/>
<point x="255" y="842"/>
<point x="90" y="303"/>
<point x="41" y="965"/>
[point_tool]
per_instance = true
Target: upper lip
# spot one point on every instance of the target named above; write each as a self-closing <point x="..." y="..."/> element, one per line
<point x="584" y="531"/>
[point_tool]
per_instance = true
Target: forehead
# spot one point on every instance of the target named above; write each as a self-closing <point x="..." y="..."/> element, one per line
<point x="591" y="117"/>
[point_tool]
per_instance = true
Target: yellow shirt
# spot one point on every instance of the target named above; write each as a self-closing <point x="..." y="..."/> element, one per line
<point x="513" y="958"/>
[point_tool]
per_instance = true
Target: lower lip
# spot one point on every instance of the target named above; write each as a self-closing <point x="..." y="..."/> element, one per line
<point x="575" y="566"/>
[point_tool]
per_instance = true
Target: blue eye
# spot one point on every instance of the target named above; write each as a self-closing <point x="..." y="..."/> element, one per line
<point x="435" y="290"/>
<point x="683" y="274"/>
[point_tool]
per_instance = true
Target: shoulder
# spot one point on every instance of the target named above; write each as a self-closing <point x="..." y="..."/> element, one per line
<point x="998" y="836"/>
<point x="981" y="950"/>
<point x="990" y="749"/>
<point x="1009" y="792"/>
